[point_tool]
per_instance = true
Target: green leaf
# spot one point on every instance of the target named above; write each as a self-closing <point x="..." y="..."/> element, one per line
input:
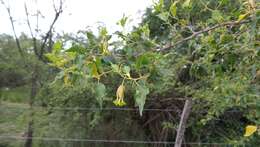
<point x="71" y="55"/>
<point x="163" y="16"/>
<point x="140" y="96"/>
<point x="186" y="4"/>
<point x="99" y="64"/>
<point x="142" y="61"/>
<point x="55" y="60"/>
<point x="123" y="21"/>
<point x="51" y="57"/>
<point x="92" y="40"/>
<point x="94" y="71"/>
<point x="100" y="92"/>
<point x="242" y="16"/>
<point x="103" y="31"/>
<point x="217" y="15"/>
<point x="77" y="49"/>
<point x="127" y="70"/>
<point x="115" y="67"/>
<point x="173" y="9"/>
<point x="159" y="6"/>
<point x="57" y="47"/>
<point x="226" y="38"/>
<point x="145" y="30"/>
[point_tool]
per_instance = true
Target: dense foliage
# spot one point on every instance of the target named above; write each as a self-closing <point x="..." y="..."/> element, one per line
<point x="204" y="50"/>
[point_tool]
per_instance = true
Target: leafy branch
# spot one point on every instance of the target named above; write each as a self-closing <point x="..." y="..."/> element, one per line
<point x="195" y="34"/>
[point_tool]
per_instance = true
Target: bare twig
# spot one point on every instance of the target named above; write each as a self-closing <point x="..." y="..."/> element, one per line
<point x="31" y="32"/>
<point x="13" y="29"/>
<point x="195" y="34"/>
<point x="151" y="119"/>
<point x="27" y="20"/>
<point x="48" y="34"/>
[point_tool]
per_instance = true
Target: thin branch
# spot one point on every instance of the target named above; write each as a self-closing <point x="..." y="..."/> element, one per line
<point x="31" y="32"/>
<point x="27" y="19"/>
<point x="13" y="29"/>
<point x="195" y="34"/>
<point x="206" y="5"/>
<point x="58" y="12"/>
<point x="37" y="18"/>
<point x="151" y="119"/>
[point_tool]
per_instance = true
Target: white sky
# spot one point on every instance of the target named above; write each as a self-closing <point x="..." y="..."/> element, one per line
<point x="78" y="14"/>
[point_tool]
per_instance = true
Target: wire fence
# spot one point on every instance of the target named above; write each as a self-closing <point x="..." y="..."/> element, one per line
<point x="40" y="108"/>
<point x="37" y="108"/>
<point x="110" y="141"/>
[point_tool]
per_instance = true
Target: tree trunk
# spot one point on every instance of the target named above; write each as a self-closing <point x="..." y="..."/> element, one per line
<point x="28" y="142"/>
<point x="182" y="125"/>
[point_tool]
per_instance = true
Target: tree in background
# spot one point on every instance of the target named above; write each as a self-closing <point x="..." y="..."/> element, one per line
<point x="35" y="48"/>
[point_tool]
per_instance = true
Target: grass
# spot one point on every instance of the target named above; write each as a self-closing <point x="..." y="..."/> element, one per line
<point x="18" y="94"/>
<point x="13" y="116"/>
<point x="13" y="122"/>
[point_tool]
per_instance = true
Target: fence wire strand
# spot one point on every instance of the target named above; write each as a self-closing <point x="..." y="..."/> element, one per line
<point x="107" y="141"/>
<point x="93" y="109"/>
<point x="39" y="108"/>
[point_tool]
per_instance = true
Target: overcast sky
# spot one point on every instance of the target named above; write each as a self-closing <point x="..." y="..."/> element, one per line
<point x="78" y="14"/>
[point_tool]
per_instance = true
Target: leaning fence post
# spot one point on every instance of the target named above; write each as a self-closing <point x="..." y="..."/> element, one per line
<point x="182" y="125"/>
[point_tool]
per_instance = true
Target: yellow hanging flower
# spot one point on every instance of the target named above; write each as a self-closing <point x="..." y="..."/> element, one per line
<point x="119" y="103"/>
<point x="120" y="91"/>
<point x="250" y="129"/>
<point x="120" y="96"/>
